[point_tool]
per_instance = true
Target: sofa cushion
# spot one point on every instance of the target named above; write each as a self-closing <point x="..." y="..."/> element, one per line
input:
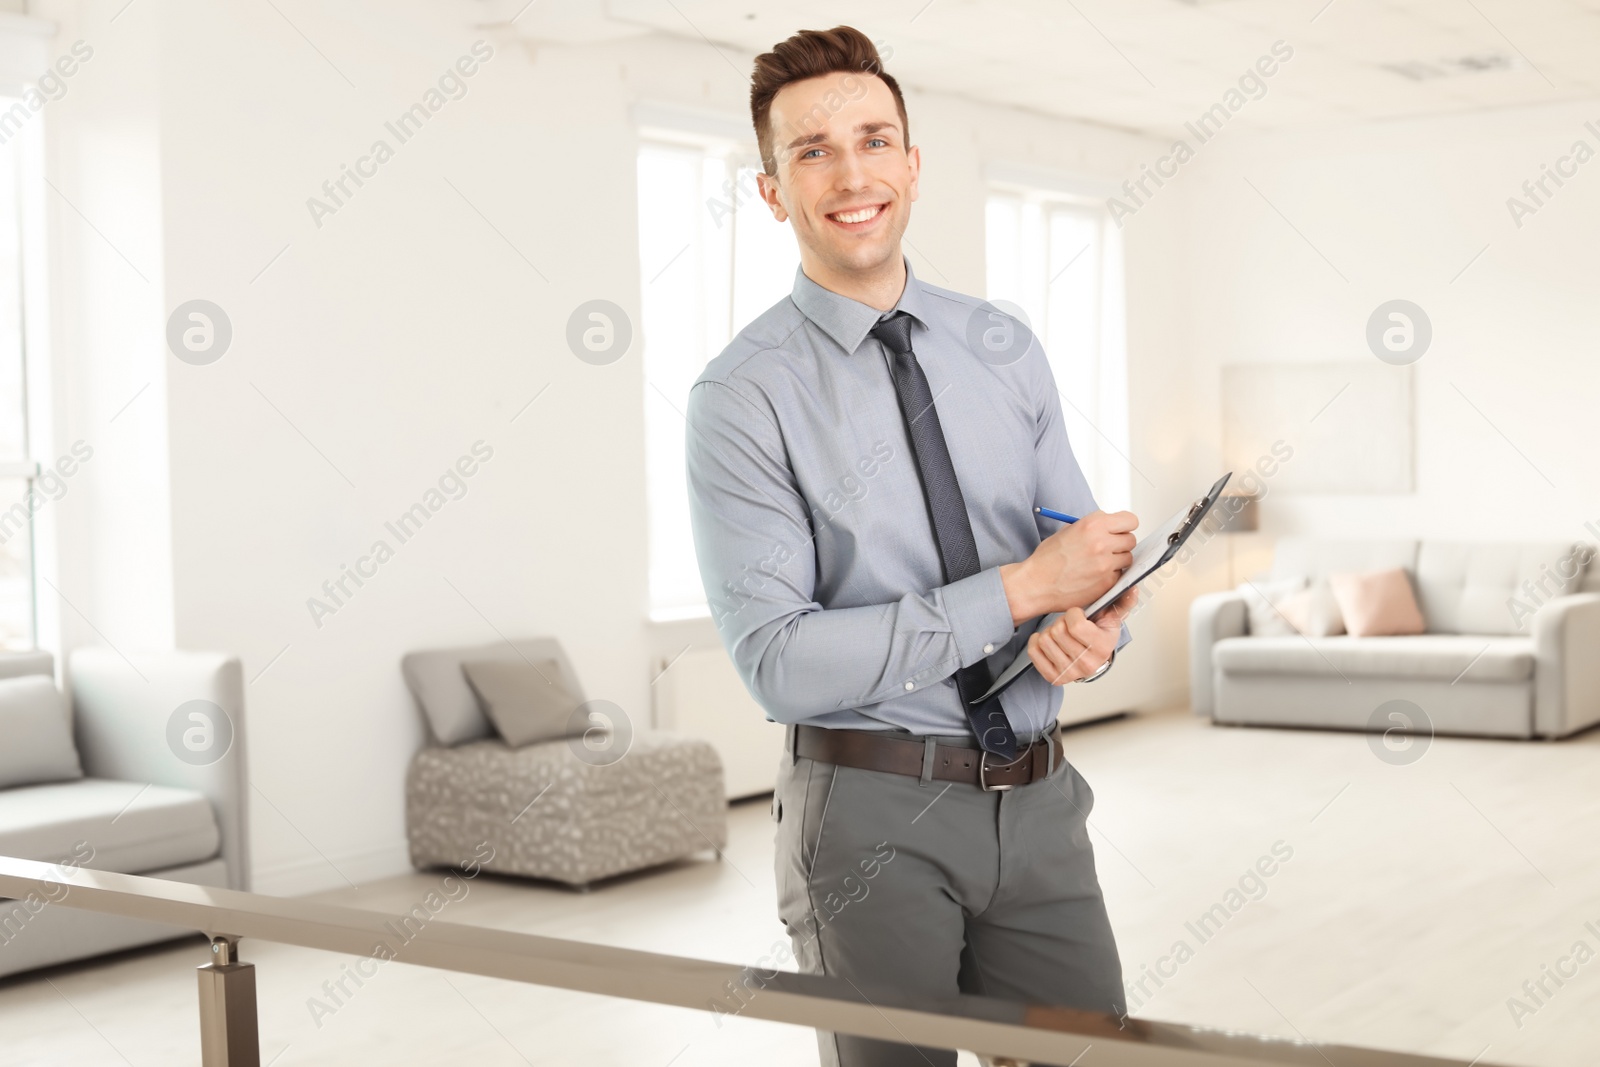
<point x="448" y="702"/>
<point x="35" y="733"/>
<point x="131" y="827"/>
<point x="1470" y="588"/>
<point x="1434" y="656"/>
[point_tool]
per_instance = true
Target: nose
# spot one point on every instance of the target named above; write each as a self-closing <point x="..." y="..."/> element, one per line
<point x="852" y="171"/>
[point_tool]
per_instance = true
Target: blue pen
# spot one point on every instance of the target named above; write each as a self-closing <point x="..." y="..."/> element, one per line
<point x="1056" y="515"/>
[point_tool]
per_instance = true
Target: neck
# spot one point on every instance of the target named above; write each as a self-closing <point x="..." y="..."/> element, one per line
<point x="878" y="287"/>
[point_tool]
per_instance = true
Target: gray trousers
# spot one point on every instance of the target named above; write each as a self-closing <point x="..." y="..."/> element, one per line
<point x="939" y="888"/>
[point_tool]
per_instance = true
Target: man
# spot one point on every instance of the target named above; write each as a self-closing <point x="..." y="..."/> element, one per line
<point x="862" y="480"/>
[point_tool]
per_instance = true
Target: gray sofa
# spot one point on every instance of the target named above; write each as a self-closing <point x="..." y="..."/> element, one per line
<point x="1478" y="670"/>
<point x="136" y="809"/>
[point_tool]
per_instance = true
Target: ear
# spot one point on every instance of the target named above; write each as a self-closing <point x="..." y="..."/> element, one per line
<point x="914" y="162"/>
<point x="767" y="186"/>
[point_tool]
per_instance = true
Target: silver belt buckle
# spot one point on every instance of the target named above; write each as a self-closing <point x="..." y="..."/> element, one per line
<point x="983" y="777"/>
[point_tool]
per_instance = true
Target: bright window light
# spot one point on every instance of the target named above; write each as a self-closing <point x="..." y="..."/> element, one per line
<point x="1059" y="259"/>
<point x="711" y="259"/>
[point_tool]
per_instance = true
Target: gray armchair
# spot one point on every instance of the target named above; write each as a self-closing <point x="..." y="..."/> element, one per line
<point x="139" y="807"/>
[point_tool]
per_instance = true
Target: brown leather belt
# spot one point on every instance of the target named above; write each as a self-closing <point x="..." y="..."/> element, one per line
<point x="871" y="751"/>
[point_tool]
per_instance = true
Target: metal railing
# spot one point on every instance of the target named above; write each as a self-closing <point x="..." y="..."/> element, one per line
<point x="1022" y="1033"/>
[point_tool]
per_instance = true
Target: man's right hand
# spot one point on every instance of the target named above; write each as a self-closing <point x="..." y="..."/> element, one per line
<point x="1072" y="567"/>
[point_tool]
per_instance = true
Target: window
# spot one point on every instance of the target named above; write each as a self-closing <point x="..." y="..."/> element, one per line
<point x="19" y="497"/>
<point x="711" y="259"/>
<point x="1059" y="259"/>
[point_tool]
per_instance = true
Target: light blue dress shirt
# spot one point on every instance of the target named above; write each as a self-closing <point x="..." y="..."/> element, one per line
<point x="813" y="536"/>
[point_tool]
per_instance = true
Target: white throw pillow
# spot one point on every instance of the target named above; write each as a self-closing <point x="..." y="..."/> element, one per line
<point x="1314" y="611"/>
<point x="1262" y="599"/>
<point x="35" y="733"/>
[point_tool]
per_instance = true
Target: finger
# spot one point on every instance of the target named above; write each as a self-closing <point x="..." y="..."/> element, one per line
<point x="1085" y="632"/>
<point x="1070" y="650"/>
<point x="1122" y="522"/>
<point x="1063" y="653"/>
<point x="1044" y="656"/>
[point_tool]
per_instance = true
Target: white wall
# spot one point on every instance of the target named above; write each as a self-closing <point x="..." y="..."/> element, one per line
<point x="1506" y="392"/>
<point x="379" y="346"/>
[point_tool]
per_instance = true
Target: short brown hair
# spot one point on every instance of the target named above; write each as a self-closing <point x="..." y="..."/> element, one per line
<point x="811" y="54"/>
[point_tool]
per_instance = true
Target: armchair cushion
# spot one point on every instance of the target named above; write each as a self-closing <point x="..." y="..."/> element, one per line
<point x="126" y="827"/>
<point x="451" y="708"/>
<point x="35" y="733"/>
<point x="525" y="701"/>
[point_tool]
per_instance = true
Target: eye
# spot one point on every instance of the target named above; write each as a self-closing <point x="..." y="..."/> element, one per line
<point x="809" y="151"/>
<point x="879" y="140"/>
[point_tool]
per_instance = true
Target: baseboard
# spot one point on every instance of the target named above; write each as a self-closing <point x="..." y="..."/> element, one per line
<point x="314" y="874"/>
<point x="1172" y="698"/>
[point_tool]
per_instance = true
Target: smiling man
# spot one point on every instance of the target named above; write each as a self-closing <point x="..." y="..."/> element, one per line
<point x="863" y="469"/>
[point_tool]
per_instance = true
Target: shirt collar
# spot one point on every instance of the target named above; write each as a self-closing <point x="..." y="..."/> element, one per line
<point x="849" y="321"/>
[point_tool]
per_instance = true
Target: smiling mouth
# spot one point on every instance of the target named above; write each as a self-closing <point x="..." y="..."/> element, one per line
<point x="857" y="218"/>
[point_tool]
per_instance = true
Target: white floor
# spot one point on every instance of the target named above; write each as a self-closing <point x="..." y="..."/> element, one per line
<point x="1416" y="901"/>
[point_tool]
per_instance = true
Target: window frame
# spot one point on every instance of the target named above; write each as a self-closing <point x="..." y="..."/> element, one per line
<point x="1111" y="480"/>
<point x="27" y="469"/>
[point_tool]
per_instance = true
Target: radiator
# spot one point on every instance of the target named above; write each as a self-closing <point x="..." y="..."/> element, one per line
<point x="701" y="695"/>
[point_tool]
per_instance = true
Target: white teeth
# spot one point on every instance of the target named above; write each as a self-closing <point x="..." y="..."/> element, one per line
<point x="858" y="216"/>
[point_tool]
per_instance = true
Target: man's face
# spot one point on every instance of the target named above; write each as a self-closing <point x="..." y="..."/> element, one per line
<point x="844" y="174"/>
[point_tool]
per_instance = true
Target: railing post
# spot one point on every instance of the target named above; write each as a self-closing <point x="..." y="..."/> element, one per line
<point x="228" y="1034"/>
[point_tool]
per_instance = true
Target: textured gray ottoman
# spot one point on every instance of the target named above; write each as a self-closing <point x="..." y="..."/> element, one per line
<point x="557" y="808"/>
<point x="541" y="811"/>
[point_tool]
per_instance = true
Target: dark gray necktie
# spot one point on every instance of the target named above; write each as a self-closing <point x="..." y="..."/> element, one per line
<point x="958" y="551"/>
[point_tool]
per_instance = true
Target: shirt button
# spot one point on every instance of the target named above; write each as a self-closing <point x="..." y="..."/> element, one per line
<point x="988" y="649"/>
<point x="910" y="686"/>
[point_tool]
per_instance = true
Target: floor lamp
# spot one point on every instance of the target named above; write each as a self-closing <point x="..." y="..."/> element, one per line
<point x="1241" y="513"/>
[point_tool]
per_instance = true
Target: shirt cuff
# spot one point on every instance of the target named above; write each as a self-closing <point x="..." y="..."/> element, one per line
<point x="979" y="615"/>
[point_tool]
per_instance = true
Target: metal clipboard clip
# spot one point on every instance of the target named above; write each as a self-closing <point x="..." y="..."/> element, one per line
<point x="1188" y="520"/>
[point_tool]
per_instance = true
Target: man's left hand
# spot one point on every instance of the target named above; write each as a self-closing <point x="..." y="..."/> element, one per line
<point x="1075" y="646"/>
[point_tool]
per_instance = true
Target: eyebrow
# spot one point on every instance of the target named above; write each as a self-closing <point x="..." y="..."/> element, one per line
<point x="862" y="128"/>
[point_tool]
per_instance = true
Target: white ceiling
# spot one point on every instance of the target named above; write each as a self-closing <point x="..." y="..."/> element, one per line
<point x="1151" y="65"/>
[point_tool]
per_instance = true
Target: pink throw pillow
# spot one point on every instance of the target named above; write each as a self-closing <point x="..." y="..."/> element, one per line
<point x="1377" y="603"/>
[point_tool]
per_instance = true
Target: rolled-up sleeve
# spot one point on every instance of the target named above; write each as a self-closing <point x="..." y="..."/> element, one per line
<point x="754" y="537"/>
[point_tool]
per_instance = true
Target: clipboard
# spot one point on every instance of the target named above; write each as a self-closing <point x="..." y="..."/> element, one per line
<point x="1149" y="556"/>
